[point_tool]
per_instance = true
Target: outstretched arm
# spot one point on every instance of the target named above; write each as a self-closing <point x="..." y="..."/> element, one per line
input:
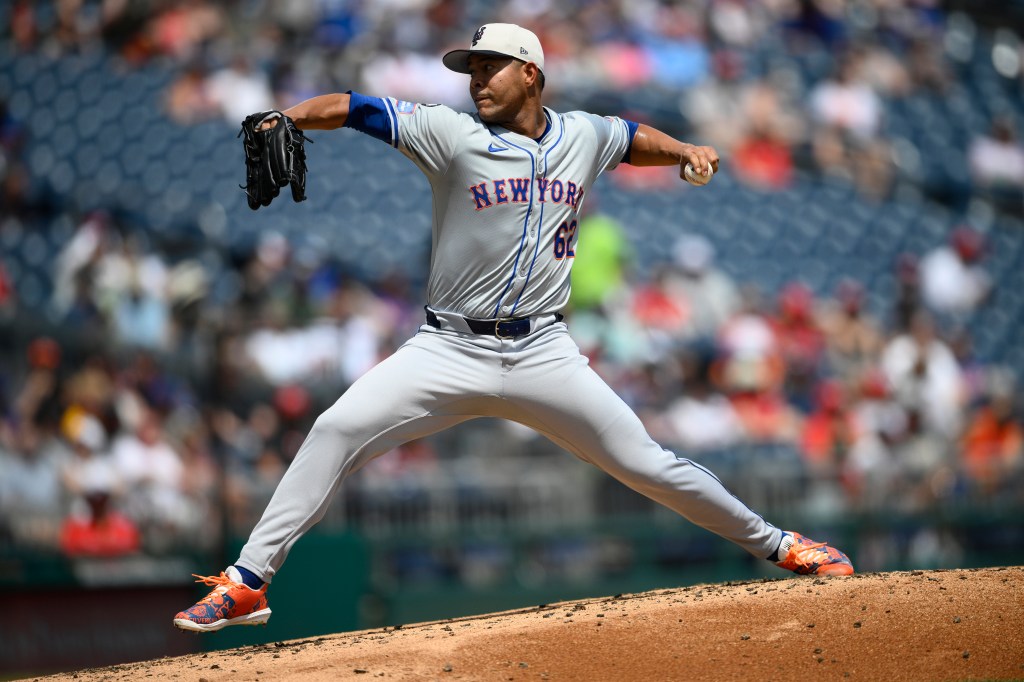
<point x="323" y="112"/>
<point x="651" y="147"/>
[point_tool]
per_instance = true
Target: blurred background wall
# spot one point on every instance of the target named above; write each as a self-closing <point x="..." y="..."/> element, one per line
<point x="833" y="325"/>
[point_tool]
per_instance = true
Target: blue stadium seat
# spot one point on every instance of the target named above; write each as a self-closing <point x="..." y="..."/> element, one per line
<point x="26" y="70"/>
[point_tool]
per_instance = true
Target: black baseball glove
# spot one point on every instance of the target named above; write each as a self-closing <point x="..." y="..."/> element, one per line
<point x="274" y="158"/>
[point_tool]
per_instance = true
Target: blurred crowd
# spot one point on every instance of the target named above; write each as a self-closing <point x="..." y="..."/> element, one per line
<point x="153" y="406"/>
<point x="894" y="411"/>
<point x="776" y="85"/>
<point x="155" y="411"/>
<point x="155" y="417"/>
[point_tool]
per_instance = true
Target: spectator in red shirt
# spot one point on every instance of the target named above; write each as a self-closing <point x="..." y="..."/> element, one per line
<point x="829" y="431"/>
<point x="801" y="342"/>
<point x="101" y="532"/>
<point x="993" y="442"/>
<point x="764" y="159"/>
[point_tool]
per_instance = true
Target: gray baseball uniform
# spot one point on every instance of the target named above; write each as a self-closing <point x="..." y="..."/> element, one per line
<point x="505" y="211"/>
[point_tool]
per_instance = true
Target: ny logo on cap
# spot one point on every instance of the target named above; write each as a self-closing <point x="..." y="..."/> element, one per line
<point x="478" y="35"/>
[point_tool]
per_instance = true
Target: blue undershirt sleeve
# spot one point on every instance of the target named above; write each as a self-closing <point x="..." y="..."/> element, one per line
<point x="632" y="127"/>
<point x="370" y="115"/>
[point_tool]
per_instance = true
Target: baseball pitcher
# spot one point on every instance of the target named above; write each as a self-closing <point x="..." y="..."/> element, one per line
<point x="509" y="182"/>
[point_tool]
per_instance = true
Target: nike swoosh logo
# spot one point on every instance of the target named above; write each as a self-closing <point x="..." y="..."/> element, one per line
<point x="492" y="148"/>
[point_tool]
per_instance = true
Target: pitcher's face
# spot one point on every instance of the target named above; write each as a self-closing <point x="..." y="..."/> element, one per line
<point x="498" y="87"/>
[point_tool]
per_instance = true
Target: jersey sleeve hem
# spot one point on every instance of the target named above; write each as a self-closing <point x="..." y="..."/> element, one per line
<point x="374" y="116"/>
<point x="631" y="128"/>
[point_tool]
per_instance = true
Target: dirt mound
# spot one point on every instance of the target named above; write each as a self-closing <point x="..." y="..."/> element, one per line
<point x="919" y="625"/>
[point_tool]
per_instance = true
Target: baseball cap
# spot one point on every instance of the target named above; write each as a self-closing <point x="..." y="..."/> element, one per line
<point x="507" y="40"/>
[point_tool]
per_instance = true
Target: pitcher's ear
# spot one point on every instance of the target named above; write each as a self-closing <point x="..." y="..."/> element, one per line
<point x="533" y="74"/>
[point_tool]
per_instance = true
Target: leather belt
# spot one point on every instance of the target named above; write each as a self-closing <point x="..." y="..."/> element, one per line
<point x="507" y="328"/>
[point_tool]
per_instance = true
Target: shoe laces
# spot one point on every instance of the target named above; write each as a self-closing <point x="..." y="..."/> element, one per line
<point x="218" y="581"/>
<point x="806" y="553"/>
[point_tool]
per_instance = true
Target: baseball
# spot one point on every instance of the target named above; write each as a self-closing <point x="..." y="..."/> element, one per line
<point x="695" y="178"/>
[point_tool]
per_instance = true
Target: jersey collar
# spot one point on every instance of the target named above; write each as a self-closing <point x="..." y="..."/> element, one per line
<point x="547" y="128"/>
<point x="552" y="131"/>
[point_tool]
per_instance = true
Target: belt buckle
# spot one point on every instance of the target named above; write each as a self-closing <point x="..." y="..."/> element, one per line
<point x="497" y="328"/>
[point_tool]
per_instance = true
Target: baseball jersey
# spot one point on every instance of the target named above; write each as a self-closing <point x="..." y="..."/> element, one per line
<point x="505" y="207"/>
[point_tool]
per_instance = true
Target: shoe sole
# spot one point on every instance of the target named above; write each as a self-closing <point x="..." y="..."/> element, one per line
<point x="256" y="618"/>
<point x="835" y="569"/>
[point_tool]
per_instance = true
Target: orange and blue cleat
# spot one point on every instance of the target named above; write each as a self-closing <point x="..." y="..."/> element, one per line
<point x="230" y="603"/>
<point x="806" y="557"/>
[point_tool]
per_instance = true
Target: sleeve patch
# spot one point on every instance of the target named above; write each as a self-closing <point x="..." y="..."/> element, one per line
<point x="403" y="107"/>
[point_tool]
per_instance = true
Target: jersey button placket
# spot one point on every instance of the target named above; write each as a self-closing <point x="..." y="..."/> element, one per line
<point x="534" y="215"/>
<point x="528" y="247"/>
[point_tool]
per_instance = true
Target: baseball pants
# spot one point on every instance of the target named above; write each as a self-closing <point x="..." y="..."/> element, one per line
<point x="440" y="378"/>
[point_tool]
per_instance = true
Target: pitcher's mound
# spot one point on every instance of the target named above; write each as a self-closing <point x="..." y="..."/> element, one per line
<point x="919" y="625"/>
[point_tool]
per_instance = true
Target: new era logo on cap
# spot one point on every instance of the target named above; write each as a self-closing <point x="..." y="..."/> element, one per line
<point x="508" y="40"/>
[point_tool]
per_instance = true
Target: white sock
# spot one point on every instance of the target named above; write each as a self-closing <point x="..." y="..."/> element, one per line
<point x="787" y="542"/>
